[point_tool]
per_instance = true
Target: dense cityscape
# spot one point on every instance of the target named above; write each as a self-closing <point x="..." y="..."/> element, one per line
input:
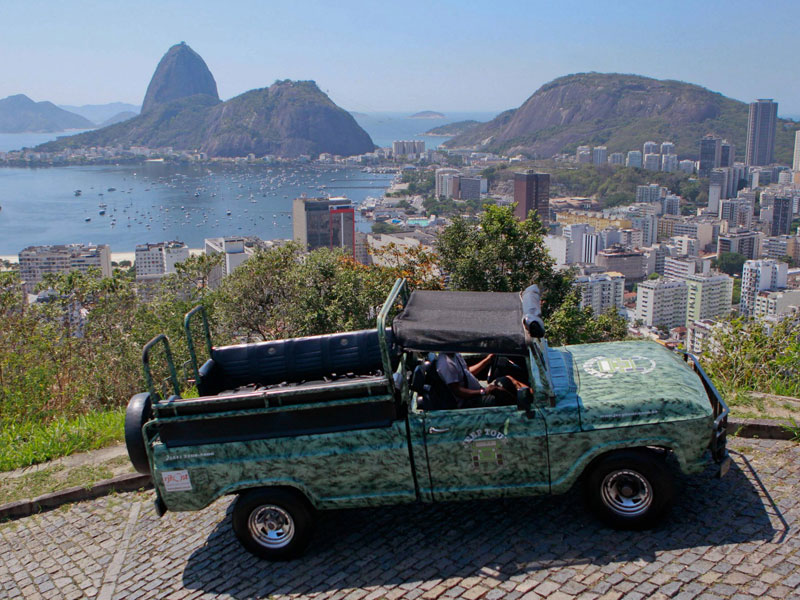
<point x="673" y="275"/>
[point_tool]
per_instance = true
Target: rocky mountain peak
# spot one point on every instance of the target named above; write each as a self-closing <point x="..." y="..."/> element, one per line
<point x="180" y="73"/>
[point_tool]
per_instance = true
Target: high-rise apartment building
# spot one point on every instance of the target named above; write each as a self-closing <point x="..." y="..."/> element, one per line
<point x="634" y="159"/>
<point x="781" y="216"/>
<point x="745" y="243"/>
<point x="649" y="193"/>
<point x="758" y="276"/>
<point x="601" y="291"/>
<point x="761" y="125"/>
<point x="796" y="161"/>
<point x="37" y="261"/>
<point x="650" y="148"/>
<point x="667" y="148"/>
<point x="616" y="158"/>
<point x="324" y="223"/>
<point x="669" y="163"/>
<point x="652" y="162"/>
<point x="709" y="296"/>
<point x="157" y="260"/>
<point x="444" y="182"/>
<point x="662" y="302"/>
<point x="727" y="154"/>
<point x="599" y="155"/>
<point x="710" y="154"/>
<point x="532" y="192"/>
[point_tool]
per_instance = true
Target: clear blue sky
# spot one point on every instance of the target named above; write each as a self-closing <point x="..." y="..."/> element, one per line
<point x="397" y="56"/>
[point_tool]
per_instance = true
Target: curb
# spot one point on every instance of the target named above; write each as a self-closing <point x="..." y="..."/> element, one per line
<point x="130" y="482"/>
<point x="758" y="428"/>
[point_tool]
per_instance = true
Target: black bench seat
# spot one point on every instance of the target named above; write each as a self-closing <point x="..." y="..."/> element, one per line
<point x="291" y="361"/>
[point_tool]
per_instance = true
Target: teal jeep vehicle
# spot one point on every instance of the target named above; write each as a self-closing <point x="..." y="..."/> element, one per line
<point x="363" y="419"/>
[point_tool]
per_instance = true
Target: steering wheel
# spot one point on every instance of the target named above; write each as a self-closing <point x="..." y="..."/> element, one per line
<point x="492" y="373"/>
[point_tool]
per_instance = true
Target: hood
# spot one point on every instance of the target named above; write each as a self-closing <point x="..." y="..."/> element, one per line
<point x="629" y="383"/>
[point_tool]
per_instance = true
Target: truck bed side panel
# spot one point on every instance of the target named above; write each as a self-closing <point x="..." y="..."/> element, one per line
<point x="338" y="469"/>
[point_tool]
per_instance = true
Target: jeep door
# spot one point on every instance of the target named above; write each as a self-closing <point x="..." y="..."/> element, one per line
<point x="485" y="452"/>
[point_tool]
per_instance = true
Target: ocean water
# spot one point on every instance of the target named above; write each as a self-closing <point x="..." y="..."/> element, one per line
<point x="155" y="202"/>
<point x="386" y="127"/>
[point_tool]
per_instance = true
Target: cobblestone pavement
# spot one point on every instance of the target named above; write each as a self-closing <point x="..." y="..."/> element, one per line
<point x="730" y="538"/>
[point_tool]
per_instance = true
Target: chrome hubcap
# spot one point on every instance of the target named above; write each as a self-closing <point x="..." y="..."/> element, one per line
<point x="626" y="493"/>
<point x="271" y="526"/>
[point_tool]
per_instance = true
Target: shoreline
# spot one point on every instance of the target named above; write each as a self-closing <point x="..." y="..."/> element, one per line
<point x="116" y="257"/>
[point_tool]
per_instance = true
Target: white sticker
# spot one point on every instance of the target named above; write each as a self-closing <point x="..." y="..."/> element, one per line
<point x="177" y="481"/>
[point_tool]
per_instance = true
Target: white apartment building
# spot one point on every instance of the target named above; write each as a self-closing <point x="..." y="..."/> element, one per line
<point x="634" y="159"/>
<point x="681" y="267"/>
<point x="709" y="296"/>
<point x="153" y="261"/>
<point x="669" y="162"/>
<point x="758" y="276"/>
<point x="37" y="261"/>
<point x="236" y="250"/>
<point x="652" y="162"/>
<point x="701" y="336"/>
<point x="662" y="302"/>
<point x="776" y="304"/>
<point x="601" y="291"/>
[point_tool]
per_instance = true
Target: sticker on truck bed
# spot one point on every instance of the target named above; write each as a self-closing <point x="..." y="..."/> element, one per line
<point x="177" y="481"/>
<point x="605" y="368"/>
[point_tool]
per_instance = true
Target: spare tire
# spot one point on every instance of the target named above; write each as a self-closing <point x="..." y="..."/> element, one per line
<point x="138" y="413"/>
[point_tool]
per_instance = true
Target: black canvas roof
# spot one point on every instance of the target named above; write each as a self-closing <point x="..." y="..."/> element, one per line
<point x="480" y="322"/>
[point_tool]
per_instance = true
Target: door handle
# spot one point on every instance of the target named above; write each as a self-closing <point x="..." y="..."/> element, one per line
<point x="438" y="429"/>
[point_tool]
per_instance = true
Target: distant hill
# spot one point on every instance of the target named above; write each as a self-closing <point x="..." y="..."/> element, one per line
<point x="180" y="73"/>
<point x="100" y="113"/>
<point x="620" y="112"/>
<point x="19" y="114"/>
<point x="119" y="118"/>
<point x="288" y="118"/>
<point x="457" y="128"/>
<point x="427" y="114"/>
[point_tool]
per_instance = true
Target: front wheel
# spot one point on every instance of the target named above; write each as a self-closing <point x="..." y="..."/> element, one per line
<point x="630" y="489"/>
<point x="273" y="523"/>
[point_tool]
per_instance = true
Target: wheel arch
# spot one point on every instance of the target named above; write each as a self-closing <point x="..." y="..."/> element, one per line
<point x="584" y="464"/>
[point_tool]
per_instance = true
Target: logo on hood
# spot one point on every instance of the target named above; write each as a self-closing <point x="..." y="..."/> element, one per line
<point x="605" y="368"/>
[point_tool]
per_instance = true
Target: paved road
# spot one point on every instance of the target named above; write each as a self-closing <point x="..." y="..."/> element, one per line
<point x="730" y="538"/>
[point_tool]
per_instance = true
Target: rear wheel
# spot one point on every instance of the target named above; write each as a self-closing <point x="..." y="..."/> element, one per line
<point x="630" y="489"/>
<point x="274" y="524"/>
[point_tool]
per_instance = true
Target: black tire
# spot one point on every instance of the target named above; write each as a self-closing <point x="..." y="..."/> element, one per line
<point x="629" y="489"/>
<point x="273" y="523"/>
<point x="138" y="413"/>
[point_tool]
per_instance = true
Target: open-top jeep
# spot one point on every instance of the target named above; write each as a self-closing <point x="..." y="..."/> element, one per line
<point x="362" y="419"/>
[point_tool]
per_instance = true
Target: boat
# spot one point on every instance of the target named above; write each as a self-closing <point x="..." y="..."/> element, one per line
<point x="77" y="193"/>
<point x="87" y="219"/>
<point x="102" y="212"/>
<point x="112" y="189"/>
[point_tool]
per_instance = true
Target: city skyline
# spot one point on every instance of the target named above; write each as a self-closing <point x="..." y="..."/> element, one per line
<point x="374" y="58"/>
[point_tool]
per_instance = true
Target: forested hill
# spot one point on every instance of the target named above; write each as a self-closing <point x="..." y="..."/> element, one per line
<point x="620" y="112"/>
<point x="182" y="110"/>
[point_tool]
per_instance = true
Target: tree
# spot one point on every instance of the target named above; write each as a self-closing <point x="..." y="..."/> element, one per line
<point x="501" y="254"/>
<point x="571" y="324"/>
<point x="730" y="263"/>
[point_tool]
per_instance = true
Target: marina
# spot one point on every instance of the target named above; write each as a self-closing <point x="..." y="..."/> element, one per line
<point x="128" y="205"/>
